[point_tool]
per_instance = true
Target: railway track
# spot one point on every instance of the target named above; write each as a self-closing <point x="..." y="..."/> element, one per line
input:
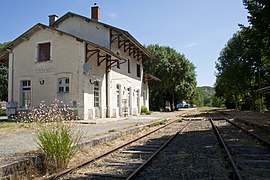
<point x="249" y="154"/>
<point x="262" y="131"/>
<point x="193" y="154"/>
<point x="257" y="128"/>
<point x="187" y="150"/>
<point x="127" y="160"/>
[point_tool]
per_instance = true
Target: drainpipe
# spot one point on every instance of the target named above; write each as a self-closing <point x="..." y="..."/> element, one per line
<point x="9" y="50"/>
<point x="107" y="70"/>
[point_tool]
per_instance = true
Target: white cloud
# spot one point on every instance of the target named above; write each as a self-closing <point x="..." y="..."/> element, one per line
<point x="113" y="15"/>
<point x="192" y="45"/>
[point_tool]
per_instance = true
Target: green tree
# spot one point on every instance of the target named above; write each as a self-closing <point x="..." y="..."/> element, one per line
<point x="177" y="74"/>
<point x="244" y="63"/>
<point x="259" y="18"/>
<point x="198" y="97"/>
<point x="239" y="70"/>
<point x="3" y="78"/>
<point x="217" y="102"/>
<point x="3" y="83"/>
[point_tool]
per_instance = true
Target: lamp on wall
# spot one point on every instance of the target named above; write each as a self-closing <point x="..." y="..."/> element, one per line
<point x="41" y="82"/>
<point x="90" y="80"/>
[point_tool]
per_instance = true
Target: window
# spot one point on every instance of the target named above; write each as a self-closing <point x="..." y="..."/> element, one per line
<point x="138" y="70"/>
<point x="26" y="93"/>
<point x="118" y="95"/>
<point x="44" y="51"/>
<point x="96" y="94"/>
<point x="128" y="65"/>
<point x="63" y="85"/>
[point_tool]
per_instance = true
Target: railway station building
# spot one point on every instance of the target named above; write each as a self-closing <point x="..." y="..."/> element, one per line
<point x="91" y="66"/>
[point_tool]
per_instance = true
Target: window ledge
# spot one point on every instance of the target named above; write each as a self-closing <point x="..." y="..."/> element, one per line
<point x="47" y="61"/>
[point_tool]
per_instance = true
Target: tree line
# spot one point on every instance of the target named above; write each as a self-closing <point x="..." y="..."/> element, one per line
<point x="177" y="75"/>
<point x="244" y="63"/>
<point x="3" y="78"/>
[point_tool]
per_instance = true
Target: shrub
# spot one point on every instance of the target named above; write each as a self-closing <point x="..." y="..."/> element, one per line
<point x="144" y="109"/>
<point x="53" y="128"/>
<point x="2" y="112"/>
<point x="58" y="144"/>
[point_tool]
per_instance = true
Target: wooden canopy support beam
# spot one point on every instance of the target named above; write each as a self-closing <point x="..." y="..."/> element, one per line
<point x="115" y="36"/>
<point x="140" y="57"/>
<point x="122" y="43"/>
<point x="126" y="43"/>
<point x="113" y="62"/>
<point x="126" y="47"/>
<point x="101" y="59"/>
<point x="136" y="53"/>
<point x="90" y="53"/>
<point x="131" y="49"/>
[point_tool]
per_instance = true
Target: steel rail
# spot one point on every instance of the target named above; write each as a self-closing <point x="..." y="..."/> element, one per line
<point x="235" y="169"/>
<point x="139" y="169"/>
<point x="63" y="173"/>
<point x="264" y="141"/>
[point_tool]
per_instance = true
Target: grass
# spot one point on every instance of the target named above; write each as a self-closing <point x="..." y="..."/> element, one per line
<point x="58" y="144"/>
<point x="160" y="123"/>
<point x="11" y="125"/>
<point x="112" y="130"/>
<point x="7" y="128"/>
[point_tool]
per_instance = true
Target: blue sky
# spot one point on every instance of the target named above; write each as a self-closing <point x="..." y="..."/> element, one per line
<point x="199" y="29"/>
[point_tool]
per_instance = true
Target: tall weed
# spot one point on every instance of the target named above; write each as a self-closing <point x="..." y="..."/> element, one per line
<point x="55" y="135"/>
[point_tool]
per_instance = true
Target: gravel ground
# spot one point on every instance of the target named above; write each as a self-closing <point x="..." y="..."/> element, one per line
<point x="195" y="154"/>
<point x="108" y="166"/>
<point x="254" y="117"/>
<point x="18" y="142"/>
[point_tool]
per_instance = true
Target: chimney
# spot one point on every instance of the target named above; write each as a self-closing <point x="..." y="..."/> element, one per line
<point x="52" y="19"/>
<point x="95" y="12"/>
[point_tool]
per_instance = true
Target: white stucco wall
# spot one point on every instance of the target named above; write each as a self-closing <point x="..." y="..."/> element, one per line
<point x="97" y="73"/>
<point x="130" y="84"/>
<point x="65" y="62"/>
<point x="91" y="31"/>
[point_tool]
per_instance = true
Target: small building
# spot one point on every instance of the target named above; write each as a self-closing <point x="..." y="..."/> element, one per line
<point x="93" y="67"/>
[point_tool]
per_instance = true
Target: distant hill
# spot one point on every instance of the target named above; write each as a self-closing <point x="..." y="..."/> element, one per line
<point x="207" y="90"/>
